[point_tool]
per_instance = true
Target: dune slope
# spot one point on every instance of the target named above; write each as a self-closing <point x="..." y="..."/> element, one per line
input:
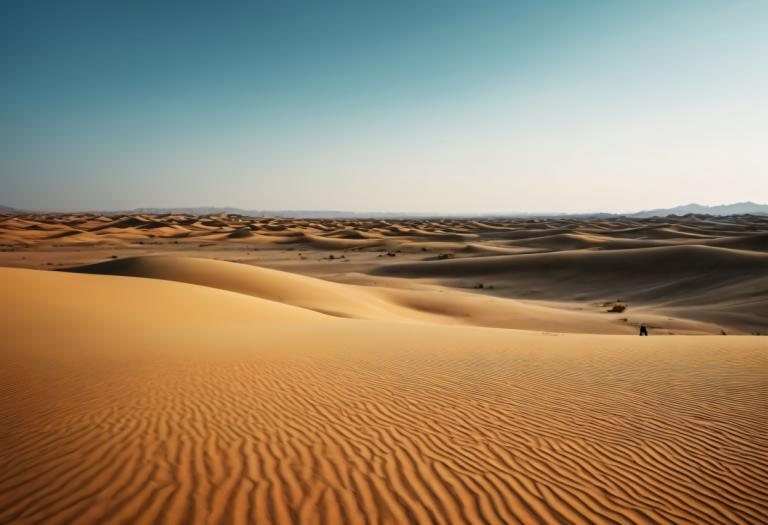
<point x="149" y="401"/>
<point x="426" y="304"/>
<point x="327" y="297"/>
<point x="701" y="282"/>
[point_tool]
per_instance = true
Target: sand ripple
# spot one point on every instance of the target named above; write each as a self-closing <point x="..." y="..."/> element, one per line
<point x="426" y="425"/>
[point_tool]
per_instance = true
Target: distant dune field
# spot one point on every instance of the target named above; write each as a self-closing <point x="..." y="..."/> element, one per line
<point x="227" y="369"/>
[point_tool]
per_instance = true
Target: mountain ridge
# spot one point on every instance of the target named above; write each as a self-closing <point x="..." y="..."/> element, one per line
<point x="737" y="208"/>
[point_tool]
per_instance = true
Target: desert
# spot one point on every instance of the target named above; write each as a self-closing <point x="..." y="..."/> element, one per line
<point x="387" y="263"/>
<point x="229" y="369"/>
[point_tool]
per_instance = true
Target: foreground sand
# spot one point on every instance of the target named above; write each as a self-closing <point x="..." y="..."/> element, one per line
<point x="260" y="397"/>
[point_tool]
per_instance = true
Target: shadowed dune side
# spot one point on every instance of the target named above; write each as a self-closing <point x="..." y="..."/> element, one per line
<point x="240" y="233"/>
<point x="519" y="234"/>
<point x="65" y="233"/>
<point x="579" y="241"/>
<point x="756" y="242"/>
<point x="583" y="241"/>
<point x="639" y="262"/>
<point x="337" y="243"/>
<point x="659" y="232"/>
<point x="699" y="281"/>
<point x="149" y="401"/>
<point x="629" y="273"/>
<point x="491" y="249"/>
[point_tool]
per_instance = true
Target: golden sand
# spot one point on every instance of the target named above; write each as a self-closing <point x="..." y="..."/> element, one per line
<point x="169" y="387"/>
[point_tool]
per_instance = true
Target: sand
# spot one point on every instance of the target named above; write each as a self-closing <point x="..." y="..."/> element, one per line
<point x="166" y="386"/>
<point x="679" y="275"/>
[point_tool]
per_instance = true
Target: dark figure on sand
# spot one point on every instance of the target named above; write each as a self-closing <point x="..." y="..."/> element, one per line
<point x="643" y="330"/>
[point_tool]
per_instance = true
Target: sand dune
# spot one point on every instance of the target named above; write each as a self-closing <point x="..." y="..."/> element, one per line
<point x="672" y="276"/>
<point x="554" y="233"/>
<point x="203" y="405"/>
<point x="381" y="303"/>
<point x="755" y="242"/>
<point x="305" y="292"/>
<point x="691" y="274"/>
<point x="230" y="369"/>
<point x="676" y="259"/>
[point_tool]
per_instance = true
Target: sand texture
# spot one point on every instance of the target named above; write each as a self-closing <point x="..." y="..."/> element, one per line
<point x="244" y="383"/>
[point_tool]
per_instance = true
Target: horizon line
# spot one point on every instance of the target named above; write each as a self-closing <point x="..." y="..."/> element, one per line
<point x="362" y="214"/>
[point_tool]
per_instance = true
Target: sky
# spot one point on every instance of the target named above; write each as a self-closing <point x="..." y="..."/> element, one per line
<point x="433" y="106"/>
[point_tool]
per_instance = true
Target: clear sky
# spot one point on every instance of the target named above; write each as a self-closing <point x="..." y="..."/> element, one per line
<point x="424" y="106"/>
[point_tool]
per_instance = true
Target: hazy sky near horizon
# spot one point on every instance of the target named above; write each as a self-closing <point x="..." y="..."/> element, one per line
<point x="431" y="106"/>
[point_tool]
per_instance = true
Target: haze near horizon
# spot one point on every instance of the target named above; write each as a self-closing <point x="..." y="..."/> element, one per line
<point x="440" y="107"/>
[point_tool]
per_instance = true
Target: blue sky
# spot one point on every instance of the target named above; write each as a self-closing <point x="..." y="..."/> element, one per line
<point x="433" y="106"/>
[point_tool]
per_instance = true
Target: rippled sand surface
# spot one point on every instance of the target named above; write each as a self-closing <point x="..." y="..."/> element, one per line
<point x="137" y="400"/>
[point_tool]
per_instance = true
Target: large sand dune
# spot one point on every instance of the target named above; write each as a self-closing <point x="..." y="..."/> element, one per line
<point x="151" y="383"/>
<point x="427" y="303"/>
<point x="153" y="401"/>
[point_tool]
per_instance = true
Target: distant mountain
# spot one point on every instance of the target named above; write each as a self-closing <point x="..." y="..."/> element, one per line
<point x="738" y="208"/>
<point x="340" y="214"/>
<point x="9" y="211"/>
<point x="194" y="210"/>
<point x="314" y="214"/>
